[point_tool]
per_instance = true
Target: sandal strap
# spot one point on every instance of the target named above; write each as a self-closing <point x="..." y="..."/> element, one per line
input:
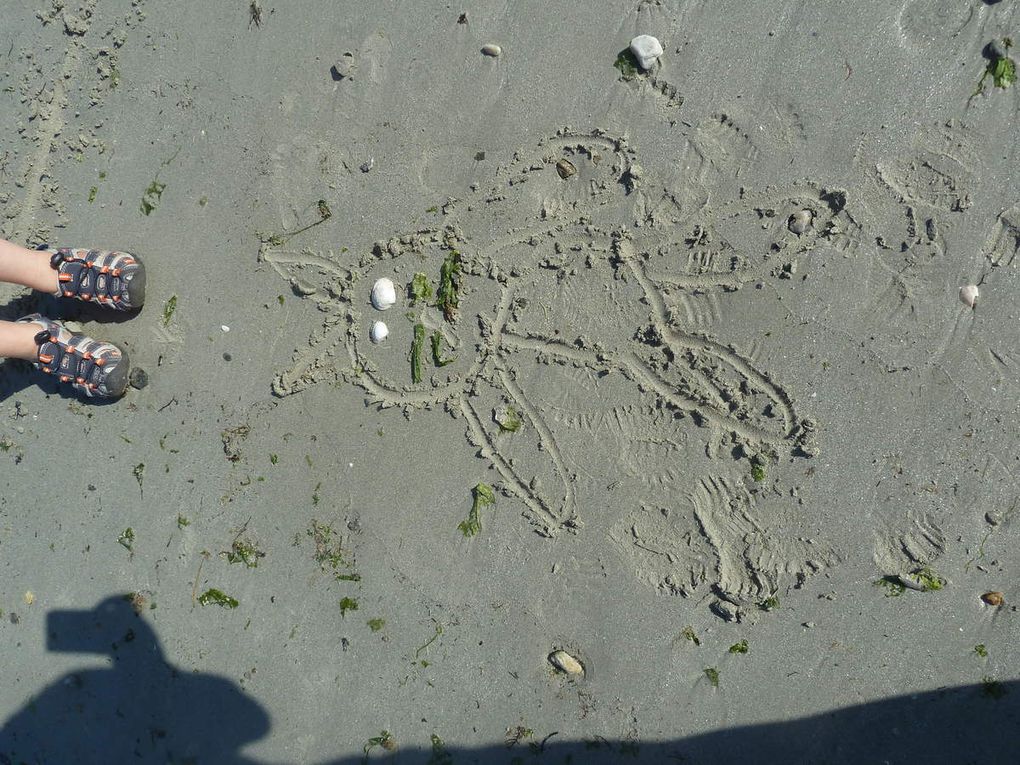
<point x="90" y="275"/>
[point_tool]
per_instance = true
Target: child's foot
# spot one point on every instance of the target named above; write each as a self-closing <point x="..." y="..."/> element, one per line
<point x="94" y="368"/>
<point x="114" y="279"/>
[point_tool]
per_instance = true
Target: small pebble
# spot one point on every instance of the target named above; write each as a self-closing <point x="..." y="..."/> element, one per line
<point x="227" y="356"/>
<point x="491" y="49"/>
<point x="809" y="625"/>
<point x="993" y="598"/>
<point x="138" y="378"/>
<point x="566" y="663"/>
<point x="646" y="50"/>
<point x="725" y="610"/>
<point x="800" y="221"/>
<point x="368" y="165"/>
<point x="969" y="295"/>
<point x="565" y="168"/>
<point x="343" y="67"/>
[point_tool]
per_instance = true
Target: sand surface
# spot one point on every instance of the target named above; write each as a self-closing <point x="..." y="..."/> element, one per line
<point x="700" y="426"/>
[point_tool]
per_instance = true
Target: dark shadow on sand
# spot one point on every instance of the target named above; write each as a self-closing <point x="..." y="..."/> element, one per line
<point x="141" y="709"/>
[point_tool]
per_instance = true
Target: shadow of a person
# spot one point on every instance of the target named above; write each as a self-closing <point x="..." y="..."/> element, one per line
<point x="139" y="709"/>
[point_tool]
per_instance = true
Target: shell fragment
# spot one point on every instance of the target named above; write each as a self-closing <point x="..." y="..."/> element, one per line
<point x="969" y="295"/>
<point x="566" y="663"/>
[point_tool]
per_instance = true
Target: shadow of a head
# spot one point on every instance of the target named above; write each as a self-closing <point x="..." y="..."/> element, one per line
<point x="137" y="709"/>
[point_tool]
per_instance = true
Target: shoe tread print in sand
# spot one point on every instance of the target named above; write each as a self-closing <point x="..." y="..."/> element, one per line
<point x="933" y="218"/>
<point x="564" y="317"/>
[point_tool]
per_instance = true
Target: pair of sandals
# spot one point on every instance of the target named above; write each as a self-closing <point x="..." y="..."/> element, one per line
<point x="110" y="278"/>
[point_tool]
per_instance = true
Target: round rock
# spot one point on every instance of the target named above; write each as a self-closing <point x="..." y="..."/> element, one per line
<point x="138" y="378"/>
<point x="646" y="50"/>
<point x="491" y="49"/>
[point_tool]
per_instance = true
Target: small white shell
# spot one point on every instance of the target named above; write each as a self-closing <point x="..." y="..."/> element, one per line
<point x="646" y="50"/>
<point x="969" y="295"/>
<point x="491" y="49"/>
<point x="379" y="332"/>
<point x="384" y="294"/>
<point x="800" y="221"/>
<point x="564" y="662"/>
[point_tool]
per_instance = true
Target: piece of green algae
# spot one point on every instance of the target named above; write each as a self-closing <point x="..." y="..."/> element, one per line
<point x="168" y="309"/>
<point x="127" y="539"/>
<point x="417" y="347"/>
<point x="740" y="647"/>
<point x="214" y="597"/>
<point x="448" y="297"/>
<point x="508" y="419"/>
<point x="437" y="350"/>
<point x="1001" y="67"/>
<point x="420" y="289"/>
<point x="439" y="754"/>
<point x="713" y="676"/>
<point x="483" y="496"/>
<point x="627" y="64"/>
<point x="892" y="585"/>
<point x="245" y="552"/>
<point x="928" y="580"/>
<point x="688" y="634"/>
<point x="384" y="740"/>
<point x="152" y="196"/>
<point x="770" y="603"/>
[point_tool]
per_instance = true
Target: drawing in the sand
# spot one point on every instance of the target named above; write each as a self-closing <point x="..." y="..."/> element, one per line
<point x="594" y="273"/>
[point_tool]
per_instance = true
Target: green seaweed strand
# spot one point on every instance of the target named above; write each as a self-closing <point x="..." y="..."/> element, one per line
<point x="417" y="346"/>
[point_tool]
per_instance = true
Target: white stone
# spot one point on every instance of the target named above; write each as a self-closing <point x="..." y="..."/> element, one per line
<point x="491" y="49"/>
<point x="384" y="294"/>
<point x="646" y="50"/>
<point x="378" y="332"/>
<point x="969" y="295"/>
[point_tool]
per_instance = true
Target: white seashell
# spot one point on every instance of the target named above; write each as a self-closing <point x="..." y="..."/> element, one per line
<point x="564" y="662"/>
<point x="800" y="221"/>
<point x="378" y="332"/>
<point x="646" y="50"/>
<point x="491" y="49"/>
<point x="969" y="295"/>
<point x="384" y="294"/>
